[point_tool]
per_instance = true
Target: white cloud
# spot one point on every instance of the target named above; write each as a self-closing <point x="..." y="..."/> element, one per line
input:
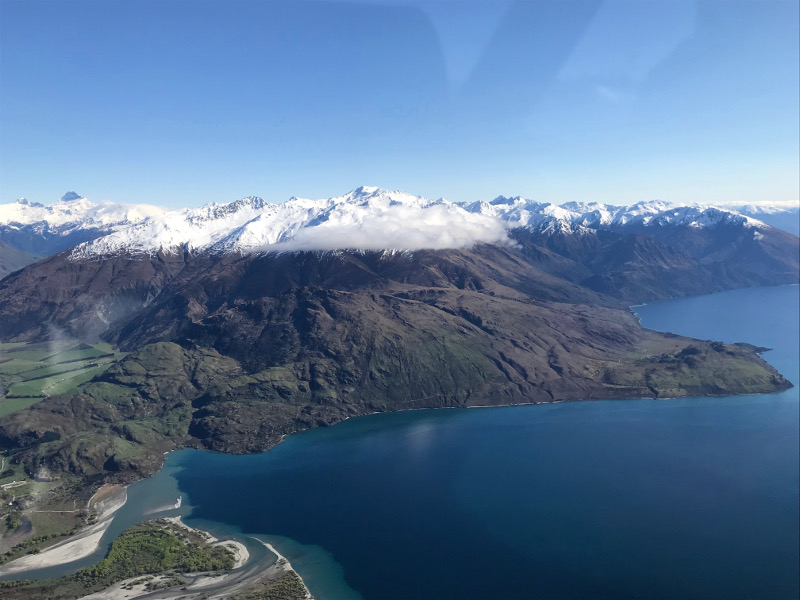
<point x="398" y="227"/>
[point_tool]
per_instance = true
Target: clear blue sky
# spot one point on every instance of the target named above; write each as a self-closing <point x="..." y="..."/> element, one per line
<point x="180" y="102"/>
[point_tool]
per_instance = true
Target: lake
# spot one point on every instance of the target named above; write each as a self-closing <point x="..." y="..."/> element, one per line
<point x="690" y="498"/>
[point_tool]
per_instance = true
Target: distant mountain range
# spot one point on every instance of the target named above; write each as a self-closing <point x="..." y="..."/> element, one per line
<point x="32" y="230"/>
<point x="708" y="248"/>
<point x="786" y="217"/>
<point x="252" y="223"/>
<point x="250" y="320"/>
<point x="341" y="222"/>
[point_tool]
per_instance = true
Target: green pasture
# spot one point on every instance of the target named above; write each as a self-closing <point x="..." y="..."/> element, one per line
<point x="15" y="366"/>
<point x="11" y="405"/>
<point x="31" y="372"/>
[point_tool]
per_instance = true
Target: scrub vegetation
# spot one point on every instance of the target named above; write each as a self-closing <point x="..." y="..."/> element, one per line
<point x="286" y="587"/>
<point x="152" y="548"/>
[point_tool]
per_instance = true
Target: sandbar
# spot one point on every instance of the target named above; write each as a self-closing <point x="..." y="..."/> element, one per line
<point x="106" y="501"/>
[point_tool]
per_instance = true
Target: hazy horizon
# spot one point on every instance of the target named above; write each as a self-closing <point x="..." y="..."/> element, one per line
<point x="189" y="204"/>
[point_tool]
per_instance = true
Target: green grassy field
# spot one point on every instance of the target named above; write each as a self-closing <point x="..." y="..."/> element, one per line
<point x="11" y="405"/>
<point x="31" y="372"/>
<point x="32" y="352"/>
<point x="16" y="365"/>
<point x="7" y="346"/>
<point x="42" y="371"/>
<point x="47" y="523"/>
<point x="10" y="471"/>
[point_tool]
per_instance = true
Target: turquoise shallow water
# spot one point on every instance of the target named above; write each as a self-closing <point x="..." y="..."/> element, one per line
<point x="690" y="498"/>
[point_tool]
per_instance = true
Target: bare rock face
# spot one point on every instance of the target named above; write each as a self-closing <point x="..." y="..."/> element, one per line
<point x="44" y="474"/>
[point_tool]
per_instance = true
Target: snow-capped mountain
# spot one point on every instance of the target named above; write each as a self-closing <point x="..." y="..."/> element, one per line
<point x="47" y="229"/>
<point x="567" y="253"/>
<point x="784" y="216"/>
<point x="367" y="218"/>
<point x="370" y="218"/>
<point x="572" y="216"/>
<point x="519" y="212"/>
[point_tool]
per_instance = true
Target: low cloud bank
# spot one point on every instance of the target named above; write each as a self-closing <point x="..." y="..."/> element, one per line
<point x="398" y="227"/>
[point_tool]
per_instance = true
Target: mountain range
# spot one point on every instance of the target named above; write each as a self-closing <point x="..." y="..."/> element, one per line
<point x="251" y="223"/>
<point x="249" y="320"/>
<point x="636" y="253"/>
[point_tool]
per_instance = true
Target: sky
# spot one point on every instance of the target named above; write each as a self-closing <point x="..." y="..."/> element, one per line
<point x="180" y="103"/>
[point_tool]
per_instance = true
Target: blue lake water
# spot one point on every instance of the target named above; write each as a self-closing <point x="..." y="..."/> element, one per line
<point x="689" y="498"/>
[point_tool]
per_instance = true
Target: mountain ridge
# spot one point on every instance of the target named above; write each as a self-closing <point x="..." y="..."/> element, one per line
<point x="232" y="347"/>
<point x="252" y="224"/>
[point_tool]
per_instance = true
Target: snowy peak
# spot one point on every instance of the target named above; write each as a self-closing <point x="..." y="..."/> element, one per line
<point x="367" y="218"/>
<point x="74" y="212"/>
<point x="372" y="218"/>
<point x="785" y="215"/>
<point x="70" y="196"/>
<point x="570" y="216"/>
<point x="701" y="217"/>
<point x="192" y="228"/>
<point x="368" y="196"/>
<point x="519" y="212"/>
<point x="26" y="202"/>
<point x="47" y="229"/>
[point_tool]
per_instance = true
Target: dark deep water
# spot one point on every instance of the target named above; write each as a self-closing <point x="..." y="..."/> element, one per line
<point x="691" y="498"/>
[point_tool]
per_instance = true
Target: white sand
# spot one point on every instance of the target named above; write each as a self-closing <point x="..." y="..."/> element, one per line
<point x="287" y="566"/>
<point x="240" y="552"/>
<point x="78" y="546"/>
<point x="166" y="507"/>
<point x="212" y="586"/>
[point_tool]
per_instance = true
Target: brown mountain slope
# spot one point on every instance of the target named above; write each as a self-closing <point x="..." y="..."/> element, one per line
<point x="164" y="397"/>
<point x="260" y="346"/>
<point x="79" y="299"/>
<point x="139" y="299"/>
<point x="12" y="259"/>
<point x="650" y="263"/>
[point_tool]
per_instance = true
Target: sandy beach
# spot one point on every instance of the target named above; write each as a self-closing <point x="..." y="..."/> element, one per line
<point x="246" y="577"/>
<point x="283" y="561"/>
<point x="106" y="501"/>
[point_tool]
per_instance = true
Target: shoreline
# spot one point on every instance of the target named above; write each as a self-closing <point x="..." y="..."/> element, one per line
<point x="99" y="498"/>
<point x="240" y="551"/>
<point x="287" y="564"/>
<point x="111" y="498"/>
<point x="114" y="496"/>
<point x="245" y="577"/>
<point x="68" y="550"/>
